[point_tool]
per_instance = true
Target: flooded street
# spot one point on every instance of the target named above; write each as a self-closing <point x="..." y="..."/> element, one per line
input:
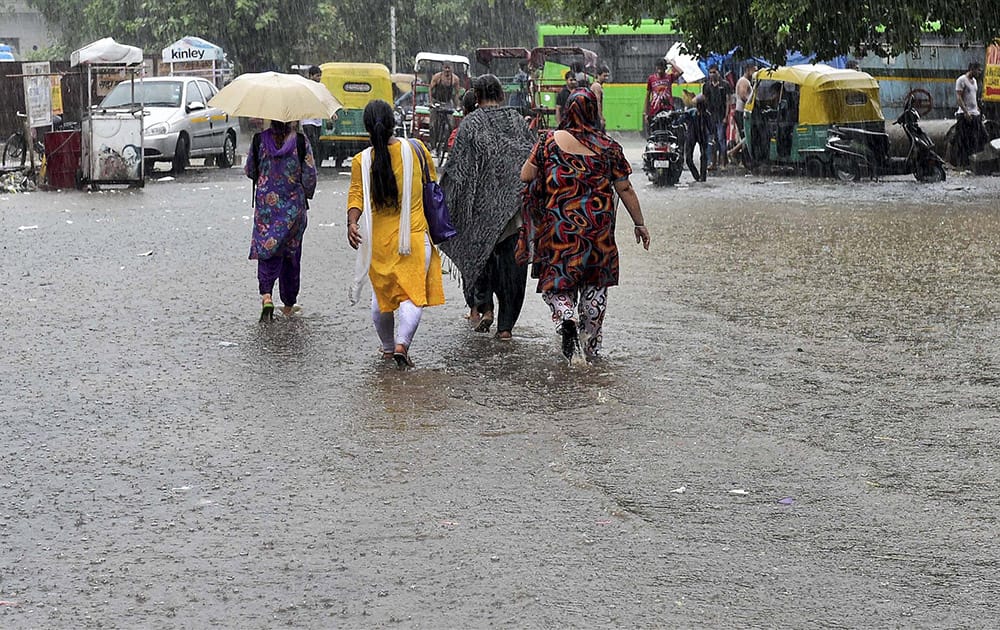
<point x="794" y="423"/>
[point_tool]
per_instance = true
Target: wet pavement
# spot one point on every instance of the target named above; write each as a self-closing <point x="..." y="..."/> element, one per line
<point x="794" y="424"/>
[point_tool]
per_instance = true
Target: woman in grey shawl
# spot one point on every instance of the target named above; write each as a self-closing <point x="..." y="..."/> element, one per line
<point x="481" y="183"/>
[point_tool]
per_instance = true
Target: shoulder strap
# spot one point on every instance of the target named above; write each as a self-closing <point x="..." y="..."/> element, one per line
<point x="300" y="140"/>
<point x="255" y="152"/>
<point x="420" y="156"/>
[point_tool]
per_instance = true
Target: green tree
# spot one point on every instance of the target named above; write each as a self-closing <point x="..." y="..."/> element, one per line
<point x="270" y="35"/>
<point x="769" y="28"/>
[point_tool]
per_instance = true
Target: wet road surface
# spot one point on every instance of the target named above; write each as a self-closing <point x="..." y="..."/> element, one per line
<point x="794" y="424"/>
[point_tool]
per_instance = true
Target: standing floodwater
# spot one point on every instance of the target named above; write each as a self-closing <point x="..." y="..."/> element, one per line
<point x="793" y="423"/>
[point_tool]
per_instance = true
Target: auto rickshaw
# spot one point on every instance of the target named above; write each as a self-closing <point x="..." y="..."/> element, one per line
<point x="792" y="108"/>
<point x="425" y="66"/>
<point x="510" y="65"/>
<point x="354" y="85"/>
<point x="547" y="66"/>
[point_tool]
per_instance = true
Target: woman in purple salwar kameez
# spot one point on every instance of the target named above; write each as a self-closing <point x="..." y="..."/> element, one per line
<point x="284" y="173"/>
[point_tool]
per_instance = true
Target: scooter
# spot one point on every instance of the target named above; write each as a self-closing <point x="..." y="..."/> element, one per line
<point x="663" y="158"/>
<point x="856" y="151"/>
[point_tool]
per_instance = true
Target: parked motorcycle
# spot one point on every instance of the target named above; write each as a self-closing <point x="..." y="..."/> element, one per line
<point x="858" y="151"/>
<point x="663" y="158"/>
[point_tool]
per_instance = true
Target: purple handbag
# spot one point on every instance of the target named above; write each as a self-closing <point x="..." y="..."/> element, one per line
<point x="435" y="207"/>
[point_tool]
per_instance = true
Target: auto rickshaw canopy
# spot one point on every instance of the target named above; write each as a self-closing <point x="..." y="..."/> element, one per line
<point x="355" y="84"/>
<point x="826" y="95"/>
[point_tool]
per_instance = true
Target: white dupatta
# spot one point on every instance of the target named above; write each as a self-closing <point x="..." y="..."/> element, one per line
<point x="364" y="257"/>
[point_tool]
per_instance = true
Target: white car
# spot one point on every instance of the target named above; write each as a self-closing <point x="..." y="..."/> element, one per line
<point x="178" y="122"/>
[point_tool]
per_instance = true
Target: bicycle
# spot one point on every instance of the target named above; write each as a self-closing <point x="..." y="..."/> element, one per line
<point x="15" y="149"/>
<point x="441" y="121"/>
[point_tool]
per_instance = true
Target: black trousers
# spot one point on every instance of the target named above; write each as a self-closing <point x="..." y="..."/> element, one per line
<point x="312" y="132"/>
<point x="701" y="139"/>
<point x="504" y="278"/>
<point x="970" y="138"/>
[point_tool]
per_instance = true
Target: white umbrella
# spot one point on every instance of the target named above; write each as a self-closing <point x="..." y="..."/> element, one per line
<point x="276" y="96"/>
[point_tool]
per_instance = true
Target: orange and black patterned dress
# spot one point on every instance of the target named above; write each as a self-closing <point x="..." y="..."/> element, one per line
<point x="575" y="234"/>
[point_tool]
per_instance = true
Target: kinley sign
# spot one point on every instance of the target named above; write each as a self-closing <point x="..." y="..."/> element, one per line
<point x="192" y="49"/>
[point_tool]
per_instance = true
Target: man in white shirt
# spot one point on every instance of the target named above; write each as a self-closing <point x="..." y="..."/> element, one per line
<point x="970" y="133"/>
<point x="311" y="127"/>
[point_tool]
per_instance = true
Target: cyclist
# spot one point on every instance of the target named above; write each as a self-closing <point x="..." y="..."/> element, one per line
<point x="443" y="90"/>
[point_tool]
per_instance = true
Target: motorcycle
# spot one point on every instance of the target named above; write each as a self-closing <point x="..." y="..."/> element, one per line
<point x="856" y="151"/>
<point x="663" y="158"/>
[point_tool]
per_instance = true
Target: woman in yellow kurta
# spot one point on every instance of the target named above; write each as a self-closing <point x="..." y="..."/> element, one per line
<point x="403" y="278"/>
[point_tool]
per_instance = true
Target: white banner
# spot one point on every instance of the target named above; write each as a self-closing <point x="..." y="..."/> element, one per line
<point x="37" y="93"/>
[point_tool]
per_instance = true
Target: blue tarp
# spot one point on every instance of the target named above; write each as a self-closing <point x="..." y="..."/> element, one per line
<point x="793" y="58"/>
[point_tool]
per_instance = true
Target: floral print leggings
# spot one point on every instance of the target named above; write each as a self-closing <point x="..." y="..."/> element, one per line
<point x="591" y="302"/>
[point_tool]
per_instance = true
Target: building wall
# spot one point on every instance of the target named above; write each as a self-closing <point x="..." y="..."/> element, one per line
<point x="23" y="28"/>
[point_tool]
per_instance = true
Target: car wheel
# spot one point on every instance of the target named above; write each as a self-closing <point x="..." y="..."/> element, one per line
<point x="228" y="156"/>
<point x="180" y="160"/>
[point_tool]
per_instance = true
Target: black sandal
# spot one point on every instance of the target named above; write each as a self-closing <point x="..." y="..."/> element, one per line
<point x="570" y="341"/>
<point x="267" y="311"/>
<point x="402" y="360"/>
<point x="484" y="325"/>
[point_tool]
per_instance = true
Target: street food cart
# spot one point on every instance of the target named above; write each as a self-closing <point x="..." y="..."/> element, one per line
<point x="194" y="56"/>
<point x="111" y="139"/>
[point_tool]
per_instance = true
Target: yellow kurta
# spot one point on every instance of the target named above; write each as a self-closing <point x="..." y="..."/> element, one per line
<point x="396" y="278"/>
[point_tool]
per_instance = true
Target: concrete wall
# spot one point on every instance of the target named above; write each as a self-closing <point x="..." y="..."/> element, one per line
<point x="23" y="28"/>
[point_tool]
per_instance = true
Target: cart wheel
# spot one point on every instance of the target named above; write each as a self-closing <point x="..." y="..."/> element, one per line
<point x="180" y="161"/>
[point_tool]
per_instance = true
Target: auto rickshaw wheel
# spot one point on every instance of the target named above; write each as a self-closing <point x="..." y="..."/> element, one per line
<point x="815" y="167"/>
<point x="846" y="170"/>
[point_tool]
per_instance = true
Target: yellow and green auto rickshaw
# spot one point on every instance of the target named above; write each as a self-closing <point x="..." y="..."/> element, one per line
<point x="354" y="85"/>
<point x="792" y="108"/>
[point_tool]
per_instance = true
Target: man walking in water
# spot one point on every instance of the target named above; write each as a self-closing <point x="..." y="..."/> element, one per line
<point x="744" y="88"/>
<point x="970" y="136"/>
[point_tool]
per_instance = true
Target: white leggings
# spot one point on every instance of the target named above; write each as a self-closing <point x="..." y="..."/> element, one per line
<point x="591" y="302"/>
<point x="409" y="315"/>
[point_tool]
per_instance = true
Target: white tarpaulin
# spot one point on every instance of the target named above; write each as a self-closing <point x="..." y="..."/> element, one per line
<point x="106" y="51"/>
<point x="192" y="49"/>
<point x="686" y="63"/>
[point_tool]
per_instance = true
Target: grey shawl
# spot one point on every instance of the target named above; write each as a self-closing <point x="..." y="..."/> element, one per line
<point x="482" y="185"/>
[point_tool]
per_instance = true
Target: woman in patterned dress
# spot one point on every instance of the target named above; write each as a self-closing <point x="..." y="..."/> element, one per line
<point x="284" y="173"/>
<point x="386" y="223"/>
<point x="574" y="237"/>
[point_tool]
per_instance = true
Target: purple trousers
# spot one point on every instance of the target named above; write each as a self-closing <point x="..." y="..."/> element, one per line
<point x="283" y="268"/>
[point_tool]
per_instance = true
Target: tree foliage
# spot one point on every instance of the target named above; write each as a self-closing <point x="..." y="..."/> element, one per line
<point x="270" y="35"/>
<point x="770" y="28"/>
